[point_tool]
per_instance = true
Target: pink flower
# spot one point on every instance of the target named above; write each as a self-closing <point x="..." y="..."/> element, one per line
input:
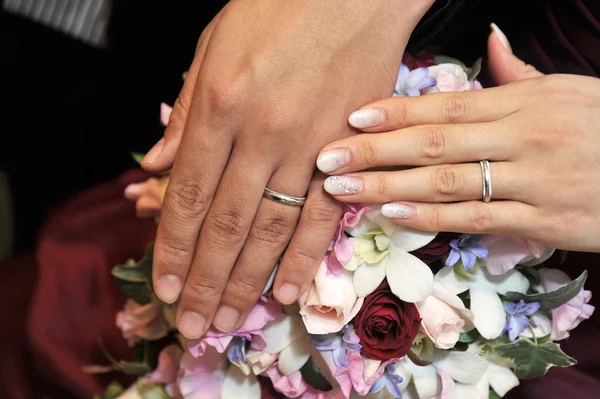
<point x="329" y="303"/>
<point x="343" y="248"/>
<point x="507" y="252"/>
<point x="567" y="316"/>
<point x="449" y="78"/>
<point x="476" y="85"/>
<point x="141" y="321"/>
<point x="444" y="316"/>
<point x="260" y="361"/>
<point x="167" y="370"/>
<point x="292" y="385"/>
<point x="202" y="377"/>
<point x="265" y="311"/>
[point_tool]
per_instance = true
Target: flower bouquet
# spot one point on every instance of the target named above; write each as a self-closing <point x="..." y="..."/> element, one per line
<point x="391" y="313"/>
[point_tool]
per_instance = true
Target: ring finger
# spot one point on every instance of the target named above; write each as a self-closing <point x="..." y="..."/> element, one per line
<point x="440" y="183"/>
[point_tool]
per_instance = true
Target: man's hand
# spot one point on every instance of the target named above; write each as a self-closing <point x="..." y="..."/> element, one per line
<point x="272" y="82"/>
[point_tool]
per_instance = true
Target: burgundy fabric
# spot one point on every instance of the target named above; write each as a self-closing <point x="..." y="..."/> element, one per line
<point x="75" y="301"/>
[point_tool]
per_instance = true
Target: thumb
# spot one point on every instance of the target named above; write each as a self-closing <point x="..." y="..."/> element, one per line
<point x="504" y="66"/>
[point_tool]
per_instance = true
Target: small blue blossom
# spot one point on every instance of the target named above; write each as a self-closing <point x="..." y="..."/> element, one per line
<point x="236" y="353"/>
<point x="410" y="83"/>
<point x="517" y="319"/>
<point x="389" y="380"/>
<point x="467" y="248"/>
<point x="339" y="344"/>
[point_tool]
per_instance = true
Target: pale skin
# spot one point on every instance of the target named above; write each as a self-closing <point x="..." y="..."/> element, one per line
<point x="540" y="133"/>
<point x="271" y="83"/>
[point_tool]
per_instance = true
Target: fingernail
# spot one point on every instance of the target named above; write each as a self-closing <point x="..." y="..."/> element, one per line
<point x="329" y="161"/>
<point x="226" y="318"/>
<point x="368" y="117"/>
<point x="154" y="152"/>
<point x="343" y="185"/>
<point x="398" y="211"/>
<point x="133" y="190"/>
<point x="287" y="293"/>
<point x="168" y="288"/>
<point x="501" y="36"/>
<point x="191" y="325"/>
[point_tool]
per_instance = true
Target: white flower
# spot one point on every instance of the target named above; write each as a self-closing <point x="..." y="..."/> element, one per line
<point x="486" y="305"/>
<point x="287" y="337"/>
<point x="381" y="249"/>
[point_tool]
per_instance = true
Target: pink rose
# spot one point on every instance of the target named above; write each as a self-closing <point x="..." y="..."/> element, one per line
<point x="167" y="370"/>
<point x="449" y="78"/>
<point x="141" y="321"/>
<point x="330" y="302"/>
<point x="567" y="316"/>
<point x="265" y="311"/>
<point x="444" y="316"/>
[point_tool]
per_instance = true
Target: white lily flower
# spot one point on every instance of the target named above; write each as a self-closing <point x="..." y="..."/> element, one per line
<point x="487" y="308"/>
<point x="381" y="249"/>
<point x="287" y="336"/>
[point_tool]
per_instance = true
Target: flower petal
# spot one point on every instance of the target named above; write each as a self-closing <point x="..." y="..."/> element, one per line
<point x="541" y="326"/>
<point x="236" y="385"/>
<point x="409" y="278"/>
<point x="452" y="282"/>
<point x="282" y="331"/>
<point x="202" y="377"/>
<point x="510" y="281"/>
<point x="463" y="367"/>
<point x="502" y="379"/>
<point x="368" y="277"/>
<point x="413" y="92"/>
<point x="407" y="239"/>
<point x="504" y="252"/>
<point x="293" y="357"/>
<point x="427" y="381"/>
<point x="488" y="311"/>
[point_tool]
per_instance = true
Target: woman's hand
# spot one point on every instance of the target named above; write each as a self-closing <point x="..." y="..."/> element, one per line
<point x="271" y="83"/>
<point x="541" y="135"/>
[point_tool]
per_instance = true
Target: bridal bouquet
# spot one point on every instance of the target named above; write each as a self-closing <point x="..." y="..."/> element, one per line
<point x="391" y="313"/>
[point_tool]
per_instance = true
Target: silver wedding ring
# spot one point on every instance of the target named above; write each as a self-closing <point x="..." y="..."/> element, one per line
<point x="284" y="198"/>
<point x="487" y="180"/>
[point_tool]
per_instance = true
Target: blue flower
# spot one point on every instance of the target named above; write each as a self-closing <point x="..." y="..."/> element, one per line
<point x="468" y="248"/>
<point x="389" y="380"/>
<point x="236" y="353"/>
<point x="338" y="344"/>
<point x="410" y="83"/>
<point x="517" y="319"/>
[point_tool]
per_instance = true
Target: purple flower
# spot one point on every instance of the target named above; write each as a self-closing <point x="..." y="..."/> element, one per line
<point x="467" y="248"/>
<point x="237" y="350"/>
<point x="410" y="83"/>
<point x="517" y="318"/>
<point x="389" y="380"/>
<point x="338" y="344"/>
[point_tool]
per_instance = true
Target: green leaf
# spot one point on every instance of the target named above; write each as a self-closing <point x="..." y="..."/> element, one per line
<point x="475" y="69"/>
<point x="554" y="299"/>
<point x="534" y="360"/>
<point x="563" y="256"/>
<point x="314" y="377"/>
<point x="140" y="272"/>
<point x="137" y="157"/>
<point x="137" y="292"/>
<point x="531" y="274"/>
<point x="113" y="390"/>
<point x="469" y="337"/>
<point x="131" y="368"/>
<point x="444" y="59"/>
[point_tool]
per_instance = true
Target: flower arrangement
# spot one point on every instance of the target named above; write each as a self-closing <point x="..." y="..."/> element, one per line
<point x="391" y="313"/>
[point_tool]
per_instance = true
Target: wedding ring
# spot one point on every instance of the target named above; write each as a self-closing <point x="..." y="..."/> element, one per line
<point x="487" y="180"/>
<point x="283" y="198"/>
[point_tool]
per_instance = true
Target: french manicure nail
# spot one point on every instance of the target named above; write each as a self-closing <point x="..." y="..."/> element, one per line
<point x="287" y="293"/>
<point x="368" y="117"/>
<point x="226" y="318"/>
<point x="343" y="185"/>
<point x="398" y="211"/>
<point x="332" y="160"/>
<point x="191" y="325"/>
<point x="154" y="152"/>
<point x="501" y="36"/>
<point x="168" y="288"/>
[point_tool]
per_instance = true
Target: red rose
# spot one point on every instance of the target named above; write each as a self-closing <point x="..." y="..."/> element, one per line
<point x="386" y="325"/>
<point x="437" y="248"/>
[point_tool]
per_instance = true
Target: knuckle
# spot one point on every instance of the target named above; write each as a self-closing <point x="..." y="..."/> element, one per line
<point x="203" y="289"/>
<point x="453" y="109"/>
<point x="383" y="186"/>
<point x="433" y="144"/>
<point x="445" y="182"/>
<point x="320" y="212"/>
<point x="187" y="198"/>
<point x="555" y="86"/>
<point x="399" y="114"/>
<point x="434" y="219"/>
<point x="225" y="228"/>
<point x="171" y="253"/>
<point x="480" y="219"/>
<point x="368" y="152"/>
<point x="226" y="94"/>
<point x="275" y="231"/>
<point x="245" y="289"/>
<point x="302" y="263"/>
